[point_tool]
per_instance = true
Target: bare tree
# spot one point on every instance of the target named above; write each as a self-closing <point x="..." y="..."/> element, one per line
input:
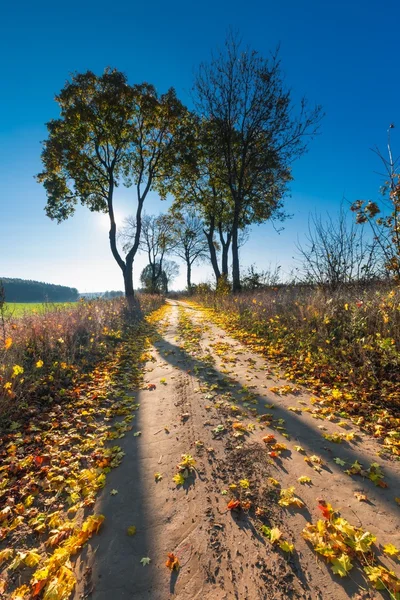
<point x="256" y="134"/>
<point x="190" y="242"/>
<point x="156" y="239"/>
<point x="384" y="216"/>
<point x="337" y="252"/>
<point x="254" y="279"/>
<point x="170" y="272"/>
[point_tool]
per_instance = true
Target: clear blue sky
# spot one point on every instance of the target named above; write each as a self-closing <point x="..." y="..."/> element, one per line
<point x="343" y="55"/>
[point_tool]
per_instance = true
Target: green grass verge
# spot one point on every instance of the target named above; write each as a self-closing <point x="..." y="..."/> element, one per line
<point x="18" y="309"/>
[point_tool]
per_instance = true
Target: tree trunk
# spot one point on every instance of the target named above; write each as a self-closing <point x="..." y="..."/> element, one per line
<point x="154" y="278"/>
<point x="236" y="287"/>
<point x="225" y="244"/>
<point x="189" y="276"/>
<point x="130" y="257"/>
<point x="128" y="281"/>
<point x="225" y="261"/>
<point x="213" y="253"/>
<point x="123" y="265"/>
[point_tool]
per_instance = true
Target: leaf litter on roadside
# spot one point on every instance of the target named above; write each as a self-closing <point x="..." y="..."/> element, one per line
<point x="53" y="467"/>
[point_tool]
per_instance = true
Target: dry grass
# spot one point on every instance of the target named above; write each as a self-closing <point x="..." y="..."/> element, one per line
<point x="349" y="338"/>
<point x="42" y="354"/>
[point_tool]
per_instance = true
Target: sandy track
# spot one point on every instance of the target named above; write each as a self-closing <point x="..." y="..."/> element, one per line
<point x="222" y="556"/>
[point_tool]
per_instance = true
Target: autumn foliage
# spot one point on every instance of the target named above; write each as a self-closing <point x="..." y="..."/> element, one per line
<point x="343" y="345"/>
<point x="54" y="459"/>
<point x="41" y="355"/>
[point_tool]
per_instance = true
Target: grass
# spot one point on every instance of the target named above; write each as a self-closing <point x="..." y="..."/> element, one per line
<point x="45" y="351"/>
<point x="66" y="382"/>
<point x="343" y="345"/>
<point x="18" y="309"/>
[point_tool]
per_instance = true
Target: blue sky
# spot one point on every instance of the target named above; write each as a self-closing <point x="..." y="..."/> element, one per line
<point x="343" y="55"/>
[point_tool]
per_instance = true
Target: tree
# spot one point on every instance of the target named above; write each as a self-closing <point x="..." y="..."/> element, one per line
<point x="255" y="280"/>
<point x="195" y="185"/>
<point x="156" y="239"/>
<point x="256" y="134"/>
<point x="337" y="253"/>
<point x="109" y="133"/>
<point x="112" y="294"/>
<point x="23" y="290"/>
<point x="168" y="273"/>
<point x="190" y="242"/>
<point x="384" y="216"/>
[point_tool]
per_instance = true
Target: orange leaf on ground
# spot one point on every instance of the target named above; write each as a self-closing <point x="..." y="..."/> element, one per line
<point x="172" y="562"/>
<point x="326" y="510"/>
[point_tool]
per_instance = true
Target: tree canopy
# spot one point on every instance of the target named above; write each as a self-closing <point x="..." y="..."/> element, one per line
<point x="228" y="161"/>
<point x="109" y="133"/>
<point x="255" y="130"/>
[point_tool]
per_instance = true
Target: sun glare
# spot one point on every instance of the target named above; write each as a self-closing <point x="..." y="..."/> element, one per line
<point x="103" y="220"/>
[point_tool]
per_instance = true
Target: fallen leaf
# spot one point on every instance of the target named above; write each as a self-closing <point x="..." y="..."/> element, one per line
<point x="326" y="510"/>
<point x="178" y="479"/>
<point x="114" y="492"/>
<point x="391" y="550"/>
<point x="131" y="530"/>
<point x="172" y="562"/>
<point x="269" y="439"/>
<point x="361" y="497"/>
<point x="286" y="547"/>
<point x="274" y="482"/>
<point x="145" y="560"/>
<point x="275" y="534"/>
<point x="342" y="565"/>
<point x="233" y="505"/>
<point x="304" y="479"/>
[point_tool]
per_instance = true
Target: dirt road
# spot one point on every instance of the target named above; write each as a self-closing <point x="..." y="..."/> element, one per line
<point x="199" y="383"/>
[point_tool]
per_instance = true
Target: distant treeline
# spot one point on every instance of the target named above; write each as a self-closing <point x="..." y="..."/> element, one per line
<point x="113" y="294"/>
<point x="24" y="290"/>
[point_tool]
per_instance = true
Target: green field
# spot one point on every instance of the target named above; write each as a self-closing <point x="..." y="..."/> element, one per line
<point x="18" y="309"/>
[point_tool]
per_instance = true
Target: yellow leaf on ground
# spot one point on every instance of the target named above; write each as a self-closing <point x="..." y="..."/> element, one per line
<point x="178" y="479"/>
<point x="391" y="550"/>
<point x="342" y="565"/>
<point x="304" y="479"/>
<point x="286" y="547"/>
<point x="6" y="554"/>
<point x="275" y="534"/>
<point x="361" y="497"/>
